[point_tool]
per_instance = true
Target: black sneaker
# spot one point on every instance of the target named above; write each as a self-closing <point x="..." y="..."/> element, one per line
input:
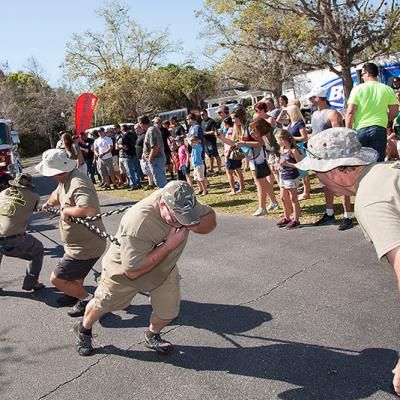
<point x="325" y="220"/>
<point x="78" y="310"/>
<point x="31" y="283"/>
<point x="345" y="224"/>
<point x="83" y="342"/>
<point x="66" y="301"/>
<point x="153" y="341"/>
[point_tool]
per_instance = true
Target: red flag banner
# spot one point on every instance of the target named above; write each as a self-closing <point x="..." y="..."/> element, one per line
<point x="84" y="108"/>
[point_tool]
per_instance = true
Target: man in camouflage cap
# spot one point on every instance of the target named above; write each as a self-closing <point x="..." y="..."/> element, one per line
<point x="17" y="203"/>
<point x="152" y="236"/>
<point x="347" y="168"/>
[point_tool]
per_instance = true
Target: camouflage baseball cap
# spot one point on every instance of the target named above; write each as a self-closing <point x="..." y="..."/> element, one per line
<point x="180" y="198"/>
<point x="22" y="180"/>
<point x="336" y="147"/>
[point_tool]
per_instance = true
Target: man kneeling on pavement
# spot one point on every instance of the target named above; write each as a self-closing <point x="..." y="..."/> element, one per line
<point x="152" y="236"/>
<point x="17" y="203"/>
<point x="347" y="168"/>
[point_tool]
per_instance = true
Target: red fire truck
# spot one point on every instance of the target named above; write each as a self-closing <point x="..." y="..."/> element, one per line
<point x="9" y="159"/>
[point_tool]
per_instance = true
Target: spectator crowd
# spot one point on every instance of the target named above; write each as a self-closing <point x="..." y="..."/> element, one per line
<point x="266" y="140"/>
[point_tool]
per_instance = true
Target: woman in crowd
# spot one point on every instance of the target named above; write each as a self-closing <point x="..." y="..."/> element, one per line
<point x="297" y="128"/>
<point x="254" y="140"/>
<point x="74" y="152"/>
<point x="289" y="179"/>
<point x="295" y="102"/>
<point x="232" y="166"/>
<point x="283" y="101"/>
<point x="261" y="110"/>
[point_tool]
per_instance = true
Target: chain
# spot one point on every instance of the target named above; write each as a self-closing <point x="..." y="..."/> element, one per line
<point x="93" y="228"/>
<point x="107" y="213"/>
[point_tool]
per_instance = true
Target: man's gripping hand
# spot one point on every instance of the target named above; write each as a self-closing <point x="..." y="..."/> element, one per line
<point x="175" y="237"/>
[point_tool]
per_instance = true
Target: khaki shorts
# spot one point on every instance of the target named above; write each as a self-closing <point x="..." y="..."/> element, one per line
<point x="105" y="166"/>
<point x="112" y="295"/>
<point x="115" y="161"/>
<point x="198" y="173"/>
<point x="121" y="162"/>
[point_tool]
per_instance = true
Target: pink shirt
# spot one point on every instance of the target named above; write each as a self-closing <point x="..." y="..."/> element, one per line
<point x="183" y="156"/>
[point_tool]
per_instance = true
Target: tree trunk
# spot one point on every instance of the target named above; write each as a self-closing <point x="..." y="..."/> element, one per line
<point x="347" y="82"/>
<point x="51" y="140"/>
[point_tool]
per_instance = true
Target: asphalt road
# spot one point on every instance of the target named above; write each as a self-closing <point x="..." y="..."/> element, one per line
<point x="266" y="314"/>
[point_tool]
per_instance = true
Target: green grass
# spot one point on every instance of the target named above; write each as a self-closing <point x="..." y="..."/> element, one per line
<point x="245" y="203"/>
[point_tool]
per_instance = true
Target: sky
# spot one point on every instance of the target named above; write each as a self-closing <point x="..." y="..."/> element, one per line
<point x="41" y="28"/>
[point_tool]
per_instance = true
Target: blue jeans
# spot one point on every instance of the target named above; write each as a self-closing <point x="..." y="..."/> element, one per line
<point x="158" y="169"/>
<point x="131" y="166"/>
<point x="90" y="169"/>
<point x="375" y="137"/>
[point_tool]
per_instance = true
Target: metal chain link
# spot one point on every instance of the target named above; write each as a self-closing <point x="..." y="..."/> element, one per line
<point x="107" y="213"/>
<point x="93" y="228"/>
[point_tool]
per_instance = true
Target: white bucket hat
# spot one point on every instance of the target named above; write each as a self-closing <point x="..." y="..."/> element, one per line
<point x="54" y="162"/>
<point x="335" y="147"/>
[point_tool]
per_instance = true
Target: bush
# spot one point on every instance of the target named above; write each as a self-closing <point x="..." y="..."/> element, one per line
<point x="32" y="145"/>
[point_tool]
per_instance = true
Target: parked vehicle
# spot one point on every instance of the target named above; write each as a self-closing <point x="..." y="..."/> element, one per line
<point x="180" y="114"/>
<point x="106" y="127"/>
<point x="246" y="98"/>
<point x="9" y="158"/>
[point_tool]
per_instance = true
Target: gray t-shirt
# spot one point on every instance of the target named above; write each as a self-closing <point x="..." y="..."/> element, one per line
<point x="153" y="138"/>
<point x="319" y="121"/>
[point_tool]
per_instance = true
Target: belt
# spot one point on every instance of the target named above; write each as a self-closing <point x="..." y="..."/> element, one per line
<point x="12" y="236"/>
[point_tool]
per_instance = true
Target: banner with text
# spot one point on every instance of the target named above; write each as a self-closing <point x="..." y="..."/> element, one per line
<point x="84" y="108"/>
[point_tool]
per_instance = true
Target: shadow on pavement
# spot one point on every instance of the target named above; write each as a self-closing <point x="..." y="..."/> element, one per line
<point x="219" y="318"/>
<point x="48" y="295"/>
<point x="320" y="373"/>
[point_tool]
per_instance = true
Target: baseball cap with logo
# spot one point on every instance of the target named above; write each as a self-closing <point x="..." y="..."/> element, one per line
<point x="336" y="147"/>
<point x="180" y="198"/>
<point x="54" y="162"/>
<point x="22" y="180"/>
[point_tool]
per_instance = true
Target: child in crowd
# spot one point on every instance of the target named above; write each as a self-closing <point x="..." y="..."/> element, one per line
<point x="174" y="154"/>
<point x="289" y="179"/>
<point x="232" y="166"/>
<point x="198" y="164"/>
<point x="183" y="166"/>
